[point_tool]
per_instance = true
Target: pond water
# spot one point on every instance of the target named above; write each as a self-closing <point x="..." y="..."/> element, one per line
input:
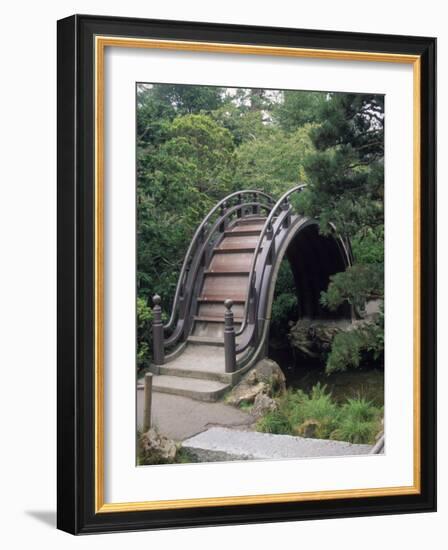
<point x="366" y="381"/>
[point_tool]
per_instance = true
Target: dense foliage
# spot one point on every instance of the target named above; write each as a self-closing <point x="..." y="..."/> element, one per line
<point x="195" y="144"/>
<point x="346" y="188"/>
<point x="317" y="414"/>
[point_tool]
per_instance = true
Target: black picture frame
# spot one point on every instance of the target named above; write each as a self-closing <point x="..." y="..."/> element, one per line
<point x="76" y="256"/>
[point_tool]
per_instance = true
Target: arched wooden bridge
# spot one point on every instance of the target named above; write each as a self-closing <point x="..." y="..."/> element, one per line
<point x="219" y="323"/>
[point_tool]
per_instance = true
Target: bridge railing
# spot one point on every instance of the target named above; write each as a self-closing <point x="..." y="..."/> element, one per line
<point x="266" y="241"/>
<point x="235" y="204"/>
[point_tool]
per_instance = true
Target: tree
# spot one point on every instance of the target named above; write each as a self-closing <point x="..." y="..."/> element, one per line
<point x="273" y="161"/>
<point x="299" y="108"/>
<point x="186" y="99"/>
<point x="179" y="180"/>
<point x="200" y="150"/>
<point x="346" y="188"/>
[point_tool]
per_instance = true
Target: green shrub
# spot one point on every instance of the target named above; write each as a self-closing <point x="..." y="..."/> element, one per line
<point x="317" y="406"/>
<point x="350" y="348"/>
<point x="144" y="340"/>
<point x="356" y="421"/>
<point x="359" y="422"/>
<point x="275" y="422"/>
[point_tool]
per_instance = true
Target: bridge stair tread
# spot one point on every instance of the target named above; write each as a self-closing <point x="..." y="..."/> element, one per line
<point x="217" y="309"/>
<point x="241" y="227"/>
<point x="220" y="298"/>
<point x="228" y="250"/>
<point x="242" y="231"/>
<point x="224" y="273"/>
<point x="251" y="220"/>
<point x="215" y="319"/>
<point x="216" y="341"/>
<point x="238" y="262"/>
<point x="195" y="388"/>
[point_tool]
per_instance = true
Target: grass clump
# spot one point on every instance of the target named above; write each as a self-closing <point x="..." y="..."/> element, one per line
<point x="275" y="422"/>
<point x="316" y="414"/>
<point x="359" y="421"/>
<point x="317" y="406"/>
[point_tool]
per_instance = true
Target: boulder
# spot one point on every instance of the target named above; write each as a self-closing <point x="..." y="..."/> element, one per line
<point x="268" y="372"/>
<point x="157" y="448"/>
<point x="263" y="404"/>
<point x="314" y="338"/>
<point x="265" y="378"/>
<point x="245" y="393"/>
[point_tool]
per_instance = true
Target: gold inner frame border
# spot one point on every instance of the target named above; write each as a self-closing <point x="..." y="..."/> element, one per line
<point x="100" y="44"/>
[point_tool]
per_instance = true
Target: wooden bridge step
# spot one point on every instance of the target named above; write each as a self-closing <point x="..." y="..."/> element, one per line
<point x="231" y="285"/>
<point x="250" y="220"/>
<point x="206" y="340"/>
<point x="247" y="227"/>
<point x="211" y="319"/>
<point x="220" y="298"/>
<point x="226" y="273"/>
<point x="238" y="261"/>
<point x="244" y="231"/>
<point x="217" y="310"/>
<point x="239" y="242"/>
<point x="229" y="250"/>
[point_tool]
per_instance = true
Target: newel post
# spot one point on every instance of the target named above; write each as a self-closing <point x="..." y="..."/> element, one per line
<point x="223" y="209"/>
<point x="157" y="332"/>
<point x="229" y="338"/>
<point x="271" y="245"/>
<point x="255" y="207"/>
<point x="287" y="218"/>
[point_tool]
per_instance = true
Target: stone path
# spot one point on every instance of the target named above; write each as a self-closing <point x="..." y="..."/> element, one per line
<point x="180" y="417"/>
<point x="219" y="444"/>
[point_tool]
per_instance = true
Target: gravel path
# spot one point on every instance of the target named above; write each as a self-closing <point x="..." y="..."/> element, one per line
<point x="180" y="417"/>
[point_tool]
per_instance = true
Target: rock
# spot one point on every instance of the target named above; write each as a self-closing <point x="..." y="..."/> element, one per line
<point x="245" y="393"/>
<point x="270" y="373"/>
<point x="314" y="338"/>
<point x="263" y="404"/>
<point x="265" y="378"/>
<point x="251" y="378"/>
<point x="157" y="448"/>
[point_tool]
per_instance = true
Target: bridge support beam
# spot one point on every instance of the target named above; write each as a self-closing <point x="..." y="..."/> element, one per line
<point x="229" y="338"/>
<point x="157" y="332"/>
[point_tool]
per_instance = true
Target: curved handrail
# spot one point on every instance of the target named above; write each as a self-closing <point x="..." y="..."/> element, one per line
<point x="193" y="244"/>
<point x="202" y="250"/>
<point x="279" y="205"/>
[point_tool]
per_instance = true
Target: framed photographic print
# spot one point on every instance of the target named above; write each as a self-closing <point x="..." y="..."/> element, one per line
<point x="246" y="271"/>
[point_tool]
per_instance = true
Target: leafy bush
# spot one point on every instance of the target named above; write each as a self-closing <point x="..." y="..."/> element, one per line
<point x="368" y="245"/>
<point x="144" y="320"/>
<point x="355" y="285"/>
<point x="349" y="348"/>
